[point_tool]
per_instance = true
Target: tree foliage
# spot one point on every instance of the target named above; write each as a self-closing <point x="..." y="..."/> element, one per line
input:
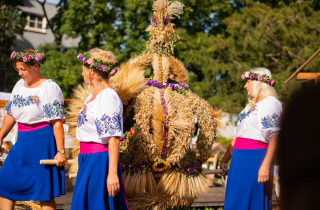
<point x="219" y="40"/>
<point x="62" y="67"/>
<point x="11" y="24"/>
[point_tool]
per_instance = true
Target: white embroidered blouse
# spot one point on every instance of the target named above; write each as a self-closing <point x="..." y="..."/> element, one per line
<point x="101" y="118"/>
<point x="34" y="105"/>
<point x="261" y="122"/>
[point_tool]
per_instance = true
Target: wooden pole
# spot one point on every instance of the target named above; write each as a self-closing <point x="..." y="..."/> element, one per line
<point x="301" y="67"/>
<point x="54" y="162"/>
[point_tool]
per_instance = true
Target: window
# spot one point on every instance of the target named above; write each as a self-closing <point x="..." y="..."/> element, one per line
<point x="35" y="23"/>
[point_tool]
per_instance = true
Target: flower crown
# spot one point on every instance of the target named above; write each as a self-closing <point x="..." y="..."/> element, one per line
<point x="31" y="58"/>
<point x="97" y="65"/>
<point x="262" y="78"/>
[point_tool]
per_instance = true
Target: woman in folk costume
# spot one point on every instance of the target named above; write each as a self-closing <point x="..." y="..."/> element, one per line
<point x="36" y="104"/>
<point x="253" y="146"/>
<point x="99" y="183"/>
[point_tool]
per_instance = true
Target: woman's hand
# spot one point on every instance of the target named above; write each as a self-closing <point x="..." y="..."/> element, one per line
<point x="61" y="159"/>
<point x="113" y="184"/>
<point x="224" y="168"/>
<point x="263" y="175"/>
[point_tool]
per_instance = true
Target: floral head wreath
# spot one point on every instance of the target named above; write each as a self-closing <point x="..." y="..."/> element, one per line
<point x="262" y="78"/>
<point x="27" y="58"/>
<point x="96" y="65"/>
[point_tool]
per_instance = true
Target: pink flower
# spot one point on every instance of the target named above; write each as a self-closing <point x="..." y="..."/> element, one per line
<point x="78" y="56"/>
<point x="247" y="74"/>
<point x="39" y="56"/>
<point x="113" y="72"/>
<point x="273" y="82"/>
<point x="90" y="62"/>
<point x="30" y="57"/>
<point x="242" y="76"/>
<point x="269" y="81"/>
<point x="259" y="77"/>
<point x="12" y="54"/>
<point x="252" y="76"/>
<point x="84" y="60"/>
<point x="103" y="68"/>
<point x="24" y="59"/>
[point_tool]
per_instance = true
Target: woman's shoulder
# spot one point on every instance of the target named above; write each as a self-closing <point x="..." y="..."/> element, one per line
<point x="18" y="85"/>
<point x="271" y="102"/>
<point x="270" y="99"/>
<point x="50" y="84"/>
<point x="110" y="94"/>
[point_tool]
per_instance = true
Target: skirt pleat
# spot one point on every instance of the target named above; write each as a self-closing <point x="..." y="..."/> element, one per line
<point x="90" y="191"/>
<point x="22" y="178"/>
<point x="243" y="191"/>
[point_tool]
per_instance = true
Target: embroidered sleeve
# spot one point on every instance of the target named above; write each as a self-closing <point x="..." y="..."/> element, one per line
<point x="109" y="124"/>
<point x="108" y="115"/>
<point x="270" y="118"/>
<point x="52" y="102"/>
<point x="8" y="107"/>
<point x="54" y="110"/>
<point x="270" y="121"/>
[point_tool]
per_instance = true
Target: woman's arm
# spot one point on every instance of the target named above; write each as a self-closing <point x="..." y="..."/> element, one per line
<point x="7" y="125"/>
<point x="263" y="175"/>
<point x="113" y="179"/>
<point x="59" y="136"/>
<point x="227" y="157"/>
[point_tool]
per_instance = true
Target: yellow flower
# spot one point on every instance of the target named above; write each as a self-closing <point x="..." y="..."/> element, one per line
<point x="160" y="166"/>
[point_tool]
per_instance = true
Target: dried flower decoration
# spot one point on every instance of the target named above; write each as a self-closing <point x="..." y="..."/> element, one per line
<point x="162" y="31"/>
<point x="258" y="77"/>
<point x="27" y="58"/>
<point x="96" y="65"/>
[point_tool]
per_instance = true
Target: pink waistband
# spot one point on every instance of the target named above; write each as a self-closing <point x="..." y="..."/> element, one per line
<point x="31" y="127"/>
<point x="242" y="143"/>
<point x="92" y="147"/>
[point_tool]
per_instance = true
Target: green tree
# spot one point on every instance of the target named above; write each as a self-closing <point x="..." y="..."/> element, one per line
<point x="12" y="24"/>
<point x="219" y="39"/>
<point x="62" y="67"/>
<point x="280" y="39"/>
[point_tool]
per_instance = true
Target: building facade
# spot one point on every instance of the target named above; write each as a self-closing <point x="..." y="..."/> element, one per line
<point x="36" y="32"/>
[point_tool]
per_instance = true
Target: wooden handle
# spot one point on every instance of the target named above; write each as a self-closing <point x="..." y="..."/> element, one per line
<point x="54" y="162"/>
<point x="72" y="176"/>
<point x="216" y="171"/>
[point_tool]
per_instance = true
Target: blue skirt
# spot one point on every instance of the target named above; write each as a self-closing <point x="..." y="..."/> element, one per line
<point x="22" y="177"/>
<point x="90" y="191"/>
<point x="243" y="191"/>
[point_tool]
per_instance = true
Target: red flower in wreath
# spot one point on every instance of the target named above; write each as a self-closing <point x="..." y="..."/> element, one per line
<point x="135" y="148"/>
<point x="130" y="132"/>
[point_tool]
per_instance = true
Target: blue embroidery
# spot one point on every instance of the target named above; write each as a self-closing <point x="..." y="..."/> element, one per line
<point x="82" y="118"/>
<point x="8" y="107"/>
<point x="271" y="121"/>
<point x="19" y="101"/>
<point x="53" y="110"/>
<point x="108" y="124"/>
<point x="244" y="114"/>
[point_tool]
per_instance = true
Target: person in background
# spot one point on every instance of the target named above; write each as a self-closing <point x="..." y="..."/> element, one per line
<point x="36" y="104"/>
<point x="99" y="183"/>
<point x="250" y="180"/>
<point x="299" y="150"/>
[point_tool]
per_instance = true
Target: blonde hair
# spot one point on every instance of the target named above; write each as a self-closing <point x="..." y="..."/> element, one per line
<point x="104" y="56"/>
<point x="261" y="89"/>
<point x="28" y="66"/>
